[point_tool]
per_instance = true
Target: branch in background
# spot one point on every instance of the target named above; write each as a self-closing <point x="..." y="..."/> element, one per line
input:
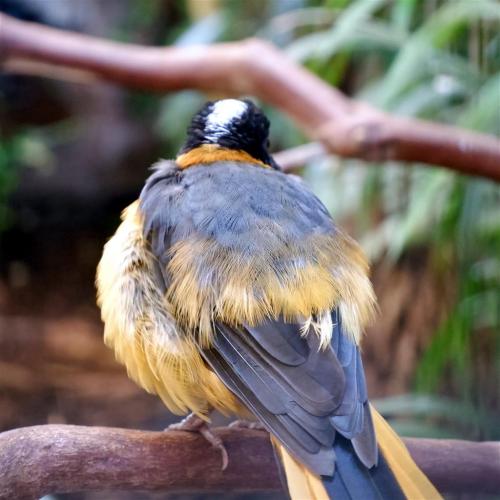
<point x="35" y="461"/>
<point x="345" y="127"/>
<point x="294" y="158"/>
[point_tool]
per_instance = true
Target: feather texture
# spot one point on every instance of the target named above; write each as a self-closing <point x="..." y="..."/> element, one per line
<point x="251" y="254"/>
<point x="251" y="302"/>
<point x="305" y="395"/>
<point x="140" y="327"/>
<point x="207" y="154"/>
<point x="230" y="287"/>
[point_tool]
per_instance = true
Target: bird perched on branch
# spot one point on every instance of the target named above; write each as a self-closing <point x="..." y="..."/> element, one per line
<point x="227" y="286"/>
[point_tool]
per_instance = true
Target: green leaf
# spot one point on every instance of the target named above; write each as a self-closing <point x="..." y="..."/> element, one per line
<point x="483" y="112"/>
<point x="439" y="30"/>
<point x="343" y="32"/>
<point x="428" y="195"/>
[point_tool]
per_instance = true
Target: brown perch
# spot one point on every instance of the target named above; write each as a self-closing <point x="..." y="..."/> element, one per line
<point x="35" y="461"/>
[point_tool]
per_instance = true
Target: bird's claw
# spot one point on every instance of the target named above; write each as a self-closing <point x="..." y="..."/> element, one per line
<point x="193" y="423"/>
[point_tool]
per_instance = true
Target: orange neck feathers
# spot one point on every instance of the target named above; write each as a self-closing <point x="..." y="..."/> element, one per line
<point x="210" y="153"/>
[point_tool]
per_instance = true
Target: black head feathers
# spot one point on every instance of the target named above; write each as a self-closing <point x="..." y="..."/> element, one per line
<point x="231" y="124"/>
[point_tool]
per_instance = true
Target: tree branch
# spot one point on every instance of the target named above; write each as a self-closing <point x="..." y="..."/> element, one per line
<point x="35" y="461"/>
<point x="345" y="127"/>
<point x="39" y="460"/>
<point x="456" y="466"/>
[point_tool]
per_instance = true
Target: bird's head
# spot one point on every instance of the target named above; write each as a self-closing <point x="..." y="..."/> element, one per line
<point x="223" y="129"/>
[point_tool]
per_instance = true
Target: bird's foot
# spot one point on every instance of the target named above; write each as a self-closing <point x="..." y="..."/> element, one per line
<point x="193" y="423"/>
<point x="247" y="424"/>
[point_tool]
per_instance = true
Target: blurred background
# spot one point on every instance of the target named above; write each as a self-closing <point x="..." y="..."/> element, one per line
<point x="73" y="155"/>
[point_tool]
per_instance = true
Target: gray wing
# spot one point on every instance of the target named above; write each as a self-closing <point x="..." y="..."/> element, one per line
<point x="302" y="395"/>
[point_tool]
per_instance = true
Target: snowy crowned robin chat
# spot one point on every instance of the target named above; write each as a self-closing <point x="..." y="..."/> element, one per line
<point x="228" y="286"/>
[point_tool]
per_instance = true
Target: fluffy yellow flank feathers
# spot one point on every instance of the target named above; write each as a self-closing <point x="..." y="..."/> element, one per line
<point x="140" y="328"/>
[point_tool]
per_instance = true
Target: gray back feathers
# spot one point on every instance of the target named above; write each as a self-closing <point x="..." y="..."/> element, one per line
<point x="242" y="207"/>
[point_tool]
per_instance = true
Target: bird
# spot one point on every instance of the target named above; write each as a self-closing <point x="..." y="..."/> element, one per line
<point x="228" y="286"/>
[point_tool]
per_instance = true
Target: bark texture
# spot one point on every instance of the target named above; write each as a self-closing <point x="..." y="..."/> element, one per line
<point x="35" y="461"/>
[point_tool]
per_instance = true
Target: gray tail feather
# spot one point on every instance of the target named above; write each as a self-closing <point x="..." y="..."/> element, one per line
<point x="353" y="481"/>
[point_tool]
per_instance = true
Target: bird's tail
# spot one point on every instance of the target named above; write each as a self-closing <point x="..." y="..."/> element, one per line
<point x="396" y="476"/>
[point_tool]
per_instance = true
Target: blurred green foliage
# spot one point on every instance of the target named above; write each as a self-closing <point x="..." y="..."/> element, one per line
<point x="21" y="149"/>
<point x="9" y="152"/>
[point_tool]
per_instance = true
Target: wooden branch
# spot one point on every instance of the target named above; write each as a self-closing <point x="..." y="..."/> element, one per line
<point x="35" y="461"/>
<point x="295" y="158"/>
<point x="345" y="127"/>
<point x="456" y="466"/>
